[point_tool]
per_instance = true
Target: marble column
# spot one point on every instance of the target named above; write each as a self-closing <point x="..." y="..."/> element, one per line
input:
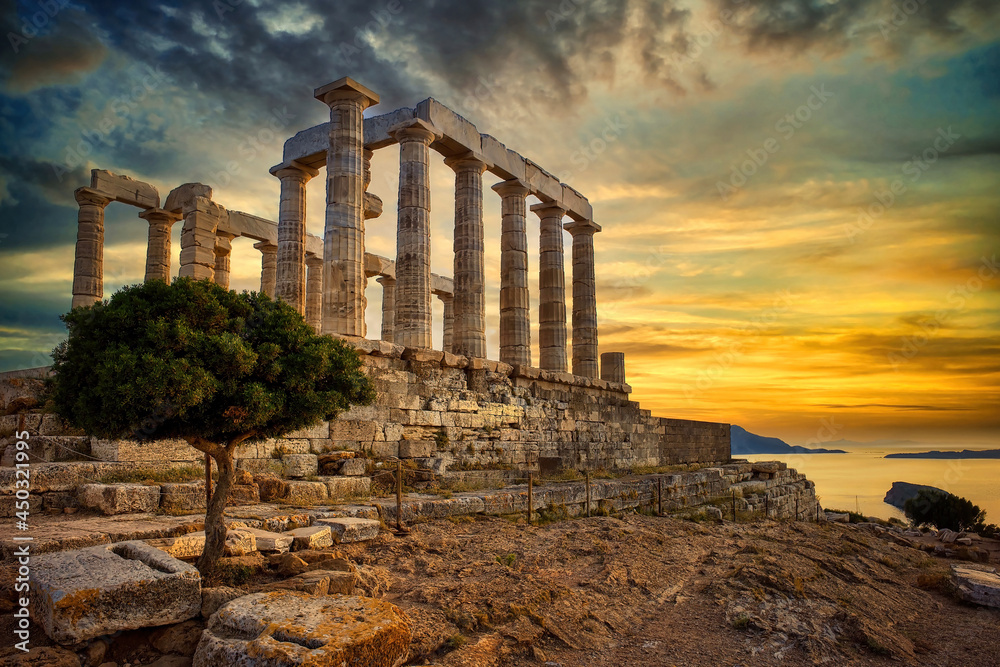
<point x="223" y="255"/>
<point x="584" y="298"/>
<point x="515" y="298"/>
<point x="448" y="331"/>
<point x="344" y="232"/>
<point x="413" y="234"/>
<point x="551" y="289"/>
<point x="268" y="266"/>
<point x="201" y="225"/>
<point x="613" y="367"/>
<point x="88" y="268"/>
<point x="158" y="244"/>
<point x="290" y="285"/>
<point x="469" y="335"/>
<point x="314" y="292"/>
<point x="388" y="284"/>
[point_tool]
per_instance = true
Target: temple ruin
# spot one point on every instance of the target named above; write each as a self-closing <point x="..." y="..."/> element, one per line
<point x="569" y="410"/>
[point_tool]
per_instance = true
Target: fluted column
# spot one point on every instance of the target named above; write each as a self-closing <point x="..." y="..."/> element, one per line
<point x="158" y="244"/>
<point x="388" y="306"/>
<point x="469" y="336"/>
<point x="515" y="298"/>
<point x="584" y="298"/>
<point x="268" y="266"/>
<point x="314" y="292"/>
<point x="223" y="255"/>
<point x="551" y="289"/>
<point x="413" y="234"/>
<point x="290" y="285"/>
<point x="448" y="330"/>
<point x="344" y="233"/>
<point x="88" y="267"/>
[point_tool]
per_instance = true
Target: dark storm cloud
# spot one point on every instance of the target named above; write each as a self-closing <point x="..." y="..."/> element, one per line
<point x="829" y="26"/>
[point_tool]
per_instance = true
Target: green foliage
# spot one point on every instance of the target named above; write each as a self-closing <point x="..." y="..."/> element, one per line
<point x="441" y="439"/>
<point x="192" y="359"/>
<point x="946" y="510"/>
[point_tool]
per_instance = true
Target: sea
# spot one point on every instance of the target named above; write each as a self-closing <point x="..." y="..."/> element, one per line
<point x="858" y="480"/>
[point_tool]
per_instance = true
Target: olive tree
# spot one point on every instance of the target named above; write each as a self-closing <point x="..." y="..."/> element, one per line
<point x="195" y="361"/>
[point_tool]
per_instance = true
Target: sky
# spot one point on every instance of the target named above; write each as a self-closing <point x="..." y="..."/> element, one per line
<point x="799" y="198"/>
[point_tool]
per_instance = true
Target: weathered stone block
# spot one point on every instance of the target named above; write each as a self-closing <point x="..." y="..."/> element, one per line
<point x="78" y="595"/>
<point x="343" y="488"/>
<point x="8" y="505"/>
<point x="119" y="498"/>
<point x="348" y="529"/>
<point x="411" y="449"/>
<point x="977" y="584"/>
<point x="320" y="431"/>
<point x="313" y="537"/>
<point x="182" y="497"/>
<point x="295" y="628"/>
<point x="268" y="542"/>
<point x="300" y="465"/>
<point x="353" y="467"/>
<point x="385" y="450"/>
<point x="124" y="189"/>
<point x="306" y="493"/>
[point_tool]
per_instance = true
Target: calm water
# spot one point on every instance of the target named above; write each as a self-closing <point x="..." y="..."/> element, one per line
<point x="861" y="478"/>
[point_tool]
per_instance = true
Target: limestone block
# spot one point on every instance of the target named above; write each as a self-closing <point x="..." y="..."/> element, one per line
<point x="240" y="542"/>
<point x="268" y="542"/>
<point x="145" y="450"/>
<point x="182" y="497"/>
<point x="300" y="465"/>
<point x="119" y="498"/>
<point x="343" y="488"/>
<point x="352" y="430"/>
<point x="8" y="505"/>
<point x="78" y="595"/>
<point x="348" y="529"/>
<point x="977" y="584"/>
<point x="385" y="450"/>
<point x="295" y="628"/>
<point x="318" y="582"/>
<point x="450" y="124"/>
<point x="353" y="467"/>
<point x="124" y="189"/>
<point x="320" y="431"/>
<point x="411" y="449"/>
<point x="313" y="537"/>
<point x="306" y="493"/>
<point x="506" y="162"/>
<point x="185" y="546"/>
<point x="244" y="494"/>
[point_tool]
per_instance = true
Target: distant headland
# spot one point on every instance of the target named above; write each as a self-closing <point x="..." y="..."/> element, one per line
<point x="743" y="443"/>
<point x="935" y="454"/>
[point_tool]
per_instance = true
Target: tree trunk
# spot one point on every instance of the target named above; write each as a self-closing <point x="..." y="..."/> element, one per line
<point x="215" y="527"/>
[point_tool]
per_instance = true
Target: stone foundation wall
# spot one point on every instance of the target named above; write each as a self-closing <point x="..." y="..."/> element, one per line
<point x="446" y="411"/>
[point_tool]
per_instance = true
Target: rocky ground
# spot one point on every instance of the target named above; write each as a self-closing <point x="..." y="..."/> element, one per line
<point x="642" y="590"/>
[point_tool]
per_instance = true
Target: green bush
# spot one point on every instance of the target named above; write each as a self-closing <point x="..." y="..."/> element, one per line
<point x="946" y="510"/>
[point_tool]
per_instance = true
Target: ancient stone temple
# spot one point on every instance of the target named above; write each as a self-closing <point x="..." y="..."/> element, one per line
<point x="568" y="407"/>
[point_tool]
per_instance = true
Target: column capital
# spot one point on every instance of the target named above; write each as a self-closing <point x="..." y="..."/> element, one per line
<point x="159" y="215"/>
<point x="223" y="242"/>
<point x="512" y="188"/>
<point x="415" y="129"/>
<point x="582" y="227"/>
<point x="549" y="209"/>
<point x="314" y="261"/>
<point x="346" y="89"/>
<point x="92" y="197"/>
<point x="294" y="169"/>
<point x="385" y="280"/>
<point x="266" y="247"/>
<point x="468" y="160"/>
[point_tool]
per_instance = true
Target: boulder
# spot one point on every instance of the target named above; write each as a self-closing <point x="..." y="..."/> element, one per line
<point x="181" y="638"/>
<point x="293" y="628"/>
<point x="978" y="585"/>
<point x="86" y="593"/>
<point x="318" y="582"/>
<point x="313" y="537"/>
<point x="348" y="529"/>
<point x="213" y="598"/>
<point x="240" y="542"/>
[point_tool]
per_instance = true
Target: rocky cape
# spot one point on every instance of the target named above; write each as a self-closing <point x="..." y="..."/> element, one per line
<point x="903" y="491"/>
<point x="743" y="442"/>
<point x="935" y="454"/>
